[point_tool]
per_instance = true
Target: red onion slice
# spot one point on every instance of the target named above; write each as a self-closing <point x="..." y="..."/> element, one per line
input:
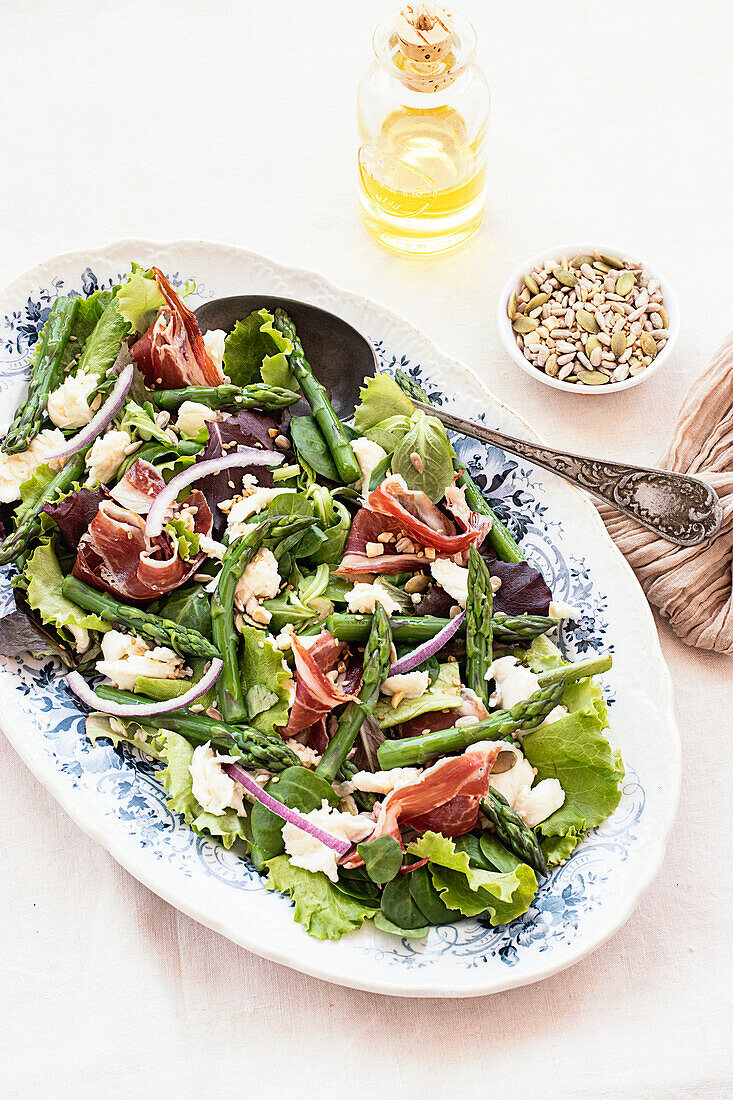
<point x="100" y="420"/>
<point x="248" y="456"/>
<point x="293" y="817"/>
<point x="429" y="648"/>
<point x="80" y="687"/>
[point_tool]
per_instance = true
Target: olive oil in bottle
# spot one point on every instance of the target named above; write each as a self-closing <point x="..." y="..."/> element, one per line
<point x="423" y="116"/>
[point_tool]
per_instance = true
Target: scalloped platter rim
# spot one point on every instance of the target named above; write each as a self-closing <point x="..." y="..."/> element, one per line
<point x="116" y="799"/>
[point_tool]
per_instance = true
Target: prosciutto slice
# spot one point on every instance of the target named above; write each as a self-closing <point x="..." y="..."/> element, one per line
<point x="455" y="499"/>
<point x="172" y="352"/>
<point x="465" y="777"/>
<point x="367" y="526"/>
<point x="315" y="693"/>
<point x="115" y="554"/>
<point x="419" y="517"/>
<point x="139" y="487"/>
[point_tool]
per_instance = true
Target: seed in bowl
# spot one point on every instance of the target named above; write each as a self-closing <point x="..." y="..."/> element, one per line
<point x="591" y="320"/>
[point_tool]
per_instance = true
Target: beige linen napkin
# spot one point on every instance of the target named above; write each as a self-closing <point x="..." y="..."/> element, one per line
<point x="692" y="586"/>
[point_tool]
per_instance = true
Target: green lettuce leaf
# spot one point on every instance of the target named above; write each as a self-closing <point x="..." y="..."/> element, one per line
<point x="380" y="398"/>
<point x="139" y="298"/>
<point x="470" y="889"/>
<point x="88" y="313"/>
<point x="148" y="740"/>
<point x="574" y="751"/>
<point x="176" y="777"/>
<point x="139" y="422"/>
<point x="559" y="848"/>
<point x="324" y="912"/>
<point x="255" y="349"/>
<point x="444" y="692"/>
<point x="261" y="665"/>
<point x="426" y="438"/>
<point x="188" y="541"/>
<point x="43" y="575"/>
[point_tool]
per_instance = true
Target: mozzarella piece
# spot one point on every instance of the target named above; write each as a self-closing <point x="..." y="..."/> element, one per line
<point x="214" y="341"/>
<point x="411" y="684"/>
<point x="384" y="782"/>
<point x="453" y="578"/>
<point x="211" y="547"/>
<point x="15" y="469"/>
<point x="533" y="804"/>
<point x="107" y="455"/>
<point x="368" y="455"/>
<point x="193" y="416"/>
<point x="514" y="682"/>
<point x="68" y="405"/>
<point x="247" y="506"/>
<point x="307" y="852"/>
<point x="125" y="657"/>
<point x="364" y="597"/>
<point x="259" y="581"/>
<point x="213" y="789"/>
<point x="559" y="610"/>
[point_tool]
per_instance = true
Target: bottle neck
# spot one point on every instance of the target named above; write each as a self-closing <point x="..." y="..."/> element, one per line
<point x="431" y="75"/>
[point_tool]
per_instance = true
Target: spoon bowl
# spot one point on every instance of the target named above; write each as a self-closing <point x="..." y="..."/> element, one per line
<point x="340" y="356"/>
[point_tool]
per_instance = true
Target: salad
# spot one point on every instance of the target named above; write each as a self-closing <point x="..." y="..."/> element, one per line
<point x="335" y="649"/>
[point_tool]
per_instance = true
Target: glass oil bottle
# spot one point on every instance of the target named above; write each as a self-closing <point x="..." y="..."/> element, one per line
<point x="423" y="115"/>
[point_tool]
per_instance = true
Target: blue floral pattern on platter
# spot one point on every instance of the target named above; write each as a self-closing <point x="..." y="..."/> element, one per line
<point x="133" y="795"/>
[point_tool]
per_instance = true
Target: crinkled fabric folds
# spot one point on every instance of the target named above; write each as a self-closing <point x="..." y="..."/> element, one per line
<point x="692" y="586"/>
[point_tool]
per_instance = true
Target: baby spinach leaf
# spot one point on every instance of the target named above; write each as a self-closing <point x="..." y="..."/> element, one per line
<point x="379" y="472"/>
<point x="297" y="788"/>
<point x="311" y="446"/>
<point x="496" y="855"/>
<point x="432" y="468"/>
<point x="189" y="607"/>
<point x="382" y="858"/>
<point x="428" y="900"/>
<point x="399" y="906"/>
<point x="384" y="925"/>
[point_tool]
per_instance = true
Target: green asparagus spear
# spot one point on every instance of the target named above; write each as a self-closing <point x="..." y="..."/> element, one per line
<point x="512" y="831"/>
<point x="258" y="396"/>
<point x="257" y="750"/>
<point x="46" y="375"/>
<point x="377" y="656"/>
<point x="28" y="524"/>
<point x="578" y="670"/>
<point x="163" y="631"/>
<point x="523" y="716"/>
<point x="332" y="428"/>
<point x="229" y="687"/>
<point x="479" y="631"/>
<point x="414" y="629"/>
<point x="499" y="537"/>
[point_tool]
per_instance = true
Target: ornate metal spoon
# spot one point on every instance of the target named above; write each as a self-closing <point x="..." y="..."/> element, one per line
<point x="683" y="510"/>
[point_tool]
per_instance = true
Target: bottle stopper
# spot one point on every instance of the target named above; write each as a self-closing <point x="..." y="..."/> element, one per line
<point x="424" y="31"/>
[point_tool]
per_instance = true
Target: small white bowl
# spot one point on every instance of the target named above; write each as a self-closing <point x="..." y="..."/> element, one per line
<point x="508" y="339"/>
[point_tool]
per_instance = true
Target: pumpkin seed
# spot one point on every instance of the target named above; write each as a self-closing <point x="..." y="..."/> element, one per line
<point x="538" y="300"/>
<point x="531" y="285"/>
<point x="587" y="321"/>
<point x="551" y="366"/>
<point x="611" y="261"/>
<point x="583" y="258"/>
<point x="599" y="266"/>
<point x="591" y="344"/>
<point x="625" y="283"/>
<point x="665" y="316"/>
<point x="512" y="304"/>
<point x="567" y="278"/>
<point x="525" y="324"/>
<point x="648" y="344"/>
<point x="618" y="344"/>
<point x="593" y="377"/>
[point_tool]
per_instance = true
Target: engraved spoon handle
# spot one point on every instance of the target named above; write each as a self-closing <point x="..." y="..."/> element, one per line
<point x="682" y="509"/>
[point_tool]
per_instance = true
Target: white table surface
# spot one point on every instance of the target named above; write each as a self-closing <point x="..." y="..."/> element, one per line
<point x="235" y="122"/>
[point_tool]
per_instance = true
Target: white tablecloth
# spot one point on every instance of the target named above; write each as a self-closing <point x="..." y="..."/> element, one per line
<point x="235" y="122"/>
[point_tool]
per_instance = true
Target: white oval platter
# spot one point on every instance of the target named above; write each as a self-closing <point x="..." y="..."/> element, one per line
<point x="116" y="799"/>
